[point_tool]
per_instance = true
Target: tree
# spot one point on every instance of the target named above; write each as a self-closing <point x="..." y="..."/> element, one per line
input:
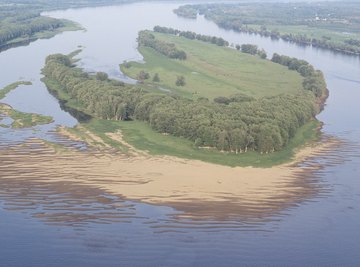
<point x="222" y="100"/>
<point x="101" y="76"/>
<point x="249" y="48"/>
<point x="156" y="78"/>
<point x="262" y="53"/>
<point x="143" y="75"/>
<point x="180" y="81"/>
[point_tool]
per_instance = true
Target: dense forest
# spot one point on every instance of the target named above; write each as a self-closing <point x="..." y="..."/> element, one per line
<point x="235" y="124"/>
<point x="332" y="25"/>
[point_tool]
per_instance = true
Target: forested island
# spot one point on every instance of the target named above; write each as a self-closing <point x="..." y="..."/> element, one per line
<point x="229" y="118"/>
<point x="331" y="25"/>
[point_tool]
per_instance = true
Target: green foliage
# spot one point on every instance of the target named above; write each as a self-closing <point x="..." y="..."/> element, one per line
<point x="143" y="75"/>
<point x="180" y="81"/>
<point x="314" y="79"/>
<point x="140" y="135"/>
<point x="211" y="71"/>
<point x="10" y="87"/>
<point x="192" y="36"/>
<point x="332" y="25"/>
<point x="101" y="76"/>
<point x="22" y="23"/>
<point x="156" y="78"/>
<point x="264" y="125"/>
<point x="168" y="49"/>
<point x="249" y="49"/>
<point x="19" y="27"/>
<point x="187" y="11"/>
<point x="20" y="119"/>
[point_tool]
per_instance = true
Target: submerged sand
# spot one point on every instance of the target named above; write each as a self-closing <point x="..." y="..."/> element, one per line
<point x="189" y="185"/>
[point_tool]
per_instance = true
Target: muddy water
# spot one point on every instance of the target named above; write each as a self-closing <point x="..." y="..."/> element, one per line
<point x="69" y="224"/>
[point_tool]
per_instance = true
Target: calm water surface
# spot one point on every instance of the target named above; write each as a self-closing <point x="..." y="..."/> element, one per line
<point x="67" y="225"/>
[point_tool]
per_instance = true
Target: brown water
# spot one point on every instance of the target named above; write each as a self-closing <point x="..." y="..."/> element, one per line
<point x="69" y="224"/>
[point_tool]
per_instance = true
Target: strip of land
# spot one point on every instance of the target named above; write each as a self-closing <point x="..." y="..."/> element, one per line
<point x="19" y="119"/>
<point x="331" y="25"/>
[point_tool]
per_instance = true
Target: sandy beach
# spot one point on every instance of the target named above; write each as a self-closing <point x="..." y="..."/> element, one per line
<point x="188" y="185"/>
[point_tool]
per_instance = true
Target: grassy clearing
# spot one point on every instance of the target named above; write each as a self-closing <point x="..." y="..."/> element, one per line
<point x="211" y="71"/>
<point x="142" y="137"/>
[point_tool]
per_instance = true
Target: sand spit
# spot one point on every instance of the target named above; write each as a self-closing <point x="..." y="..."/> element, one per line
<point x="195" y="187"/>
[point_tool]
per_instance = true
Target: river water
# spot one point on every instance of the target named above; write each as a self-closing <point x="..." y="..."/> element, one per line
<point x="97" y="229"/>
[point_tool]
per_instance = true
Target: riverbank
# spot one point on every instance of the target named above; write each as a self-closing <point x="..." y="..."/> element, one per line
<point x="46" y="34"/>
<point x="289" y="22"/>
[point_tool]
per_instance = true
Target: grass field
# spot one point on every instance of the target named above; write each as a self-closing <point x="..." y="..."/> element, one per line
<point x="142" y="137"/>
<point x="211" y="71"/>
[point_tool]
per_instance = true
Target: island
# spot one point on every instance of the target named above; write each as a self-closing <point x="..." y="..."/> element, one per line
<point x="15" y="118"/>
<point x="198" y="98"/>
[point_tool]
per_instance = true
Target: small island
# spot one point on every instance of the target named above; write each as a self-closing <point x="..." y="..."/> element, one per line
<point x="18" y="119"/>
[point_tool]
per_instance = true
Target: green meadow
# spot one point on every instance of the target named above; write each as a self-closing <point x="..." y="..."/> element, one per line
<point x="211" y="71"/>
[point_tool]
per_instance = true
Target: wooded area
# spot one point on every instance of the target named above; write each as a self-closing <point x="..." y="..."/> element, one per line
<point x="237" y="125"/>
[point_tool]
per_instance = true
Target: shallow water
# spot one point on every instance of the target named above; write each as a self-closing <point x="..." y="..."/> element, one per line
<point x="72" y="225"/>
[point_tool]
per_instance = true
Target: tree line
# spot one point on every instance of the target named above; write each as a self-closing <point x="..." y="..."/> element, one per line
<point x="255" y="18"/>
<point x="236" y="124"/>
<point x="168" y="49"/>
<point x="313" y="79"/>
<point x="25" y="26"/>
<point x="192" y="35"/>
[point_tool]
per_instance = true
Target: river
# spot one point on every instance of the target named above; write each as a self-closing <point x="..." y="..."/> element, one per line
<point x="45" y="225"/>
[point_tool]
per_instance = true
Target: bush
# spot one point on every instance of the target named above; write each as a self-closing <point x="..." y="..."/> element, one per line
<point x="180" y="81"/>
<point x="101" y="76"/>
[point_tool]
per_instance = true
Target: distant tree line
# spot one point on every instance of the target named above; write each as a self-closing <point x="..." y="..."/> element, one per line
<point x="254" y="18"/>
<point x="168" y="49"/>
<point x="349" y="46"/>
<point x="193" y="36"/>
<point x="235" y="124"/>
<point x="25" y="26"/>
<point x="187" y="11"/>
